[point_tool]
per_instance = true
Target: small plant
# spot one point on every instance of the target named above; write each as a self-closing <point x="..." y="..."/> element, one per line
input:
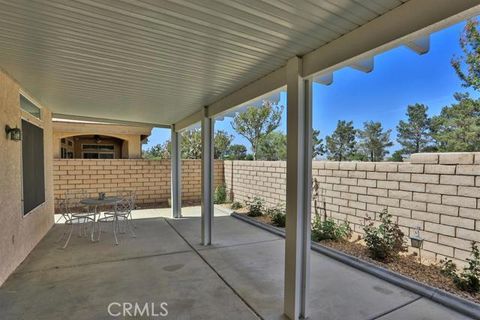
<point x="469" y="279"/>
<point x="236" y="205"/>
<point x="220" y="195"/>
<point x="328" y="229"/>
<point x="278" y="216"/>
<point x="255" y="207"/>
<point x="318" y="196"/>
<point x="448" y="268"/>
<point x="385" y="241"/>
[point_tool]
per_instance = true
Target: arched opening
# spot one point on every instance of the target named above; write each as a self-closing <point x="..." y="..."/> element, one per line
<point x="93" y="147"/>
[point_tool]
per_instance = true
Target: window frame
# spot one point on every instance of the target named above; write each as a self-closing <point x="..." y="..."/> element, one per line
<point x="34" y="103"/>
<point x="39" y="122"/>
<point x="98" y="151"/>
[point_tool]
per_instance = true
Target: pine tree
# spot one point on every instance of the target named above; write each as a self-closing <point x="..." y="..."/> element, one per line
<point x="374" y="141"/>
<point x="414" y="134"/>
<point x="341" y="144"/>
<point x="457" y="128"/>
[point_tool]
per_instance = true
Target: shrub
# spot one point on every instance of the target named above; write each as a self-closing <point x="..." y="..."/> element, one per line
<point x="255" y="207"/>
<point x="220" y="195"/>
<point x="327" y="229"/>
<point x="236" y="205"/>
<point x="448" y="268"/>
<point x="469" y="279"/>
<point x="385" y="241"/>
<point x="278" y="216"/>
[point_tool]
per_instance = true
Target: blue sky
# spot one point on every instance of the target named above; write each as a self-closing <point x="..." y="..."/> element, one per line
<point x="400" y="77"/>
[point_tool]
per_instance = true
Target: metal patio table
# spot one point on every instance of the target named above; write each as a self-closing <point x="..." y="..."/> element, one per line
<point x="96" y="202"/>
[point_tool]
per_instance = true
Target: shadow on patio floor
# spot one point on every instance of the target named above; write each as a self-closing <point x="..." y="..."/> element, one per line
<point x="239" y="277"/>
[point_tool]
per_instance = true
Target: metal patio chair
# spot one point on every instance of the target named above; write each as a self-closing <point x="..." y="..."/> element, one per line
<point x="122" y="214"/>
<point x="76" y="215"/>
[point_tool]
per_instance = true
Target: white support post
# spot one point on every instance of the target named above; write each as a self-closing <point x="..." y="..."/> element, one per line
<point x="176" y="180"/>
<point x="207" y="179"/>
<point x="299" y="171"/>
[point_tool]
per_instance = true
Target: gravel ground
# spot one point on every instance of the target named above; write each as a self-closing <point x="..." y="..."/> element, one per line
<point x="406" y="264"/>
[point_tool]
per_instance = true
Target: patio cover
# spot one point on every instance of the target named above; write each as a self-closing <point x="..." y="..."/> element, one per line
<point x="158" y="62"/>
<point x="176" y="63"/>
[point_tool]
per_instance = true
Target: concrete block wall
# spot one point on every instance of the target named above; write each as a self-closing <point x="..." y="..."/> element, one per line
<point x="439" y="193"/>
<point x="264" y="179"/>
<point x="150" y="179"/>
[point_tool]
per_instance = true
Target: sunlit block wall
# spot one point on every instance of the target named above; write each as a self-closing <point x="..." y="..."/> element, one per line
<point x="150" y="179"/>
<point x="439" y="193"/>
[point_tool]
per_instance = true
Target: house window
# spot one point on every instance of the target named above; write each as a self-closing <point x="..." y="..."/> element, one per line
<point x="96" y="155"/>
<point x="98" y="151"/>
<point x="33" y="166"/>
<point x="66" y="149"/>
<point x="30" y="107"/>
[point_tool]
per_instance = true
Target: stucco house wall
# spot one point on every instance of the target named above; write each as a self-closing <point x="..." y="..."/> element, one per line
<point x="132" y="136"/>
<point x="19" y="234"/>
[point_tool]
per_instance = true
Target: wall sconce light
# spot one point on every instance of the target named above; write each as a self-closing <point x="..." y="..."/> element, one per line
<point x="14" y="134"/>
<point x="417" y="241"/>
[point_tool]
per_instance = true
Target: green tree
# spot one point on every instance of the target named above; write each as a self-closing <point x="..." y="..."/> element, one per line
<point x="341" y="144"/>
<point x="257" y="122"/>
<point x="222" y="142"/>
<point x="237" y="152"/>
<point x="192" y="144"/>
<point x="159" y="151"/>
<point x="317" y="145"/>
<point x="467" y="66"/>
<point x="457" y="128"/>
<point x="397" y="156"/>
<point x="414" y="134"/>
<point x="374" y="141"/>
<point x="272" y="147"/>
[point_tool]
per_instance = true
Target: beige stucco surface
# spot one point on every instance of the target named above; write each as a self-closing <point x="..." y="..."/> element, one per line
<point x="19" y="234"/>
<point x="130" y="134"/>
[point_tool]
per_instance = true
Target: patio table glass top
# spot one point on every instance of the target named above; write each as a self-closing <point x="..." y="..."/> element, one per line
<point x="100" y="202"/>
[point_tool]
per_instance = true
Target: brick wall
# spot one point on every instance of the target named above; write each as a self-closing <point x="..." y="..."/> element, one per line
<point x="437" y="192"/>
<point x="150" y="179"/>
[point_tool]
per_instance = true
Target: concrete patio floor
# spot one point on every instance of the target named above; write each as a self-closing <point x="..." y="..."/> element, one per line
<point x="239" y="277"/>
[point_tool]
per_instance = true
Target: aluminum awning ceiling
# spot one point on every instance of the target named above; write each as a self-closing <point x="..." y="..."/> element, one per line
<point x="159" y="61"/>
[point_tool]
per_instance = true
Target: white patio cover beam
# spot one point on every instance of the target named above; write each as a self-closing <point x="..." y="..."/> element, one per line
<point x="365" y="65"/>
<point x="420" y="45"/>
<point x="325" y="79"/>
<point x="298" y="191"/>
<point x="413" y="19"/>
<point x="261" y="87"/>
<point x="190" y="120"/>
<point x="105" y="120"/>
<point x="207" y="179"/>
<point x="176" y="168"/>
